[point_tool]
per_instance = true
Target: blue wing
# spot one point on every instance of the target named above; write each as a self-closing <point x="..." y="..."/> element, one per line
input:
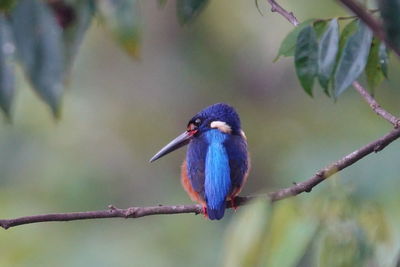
<point x="195" y="160"/>
<point x="236" y="147"/>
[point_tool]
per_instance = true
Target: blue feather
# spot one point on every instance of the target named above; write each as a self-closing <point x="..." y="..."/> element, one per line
<point x="217" y="174"/>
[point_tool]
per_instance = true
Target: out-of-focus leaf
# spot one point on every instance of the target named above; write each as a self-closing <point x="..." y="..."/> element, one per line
<point x="320" y="27"/>
<point x="244" y="235"/>
<point x="353" y="59"/>
<point x="288" y="236"/>
<point x="390" y="10"/>
<point x="6" y="5"/>
<point x="188" y="10"/>
<point x="288" y="44"/>
<point x="7" y="79"/>
<point x="122" y="18"/>
<point x="74" y="32"/>
<point x="162" y="3"/>
<point x="373" y="69"/>
<point x="383" y="59"/>
<point x="375" y="223"/>
<point x="306" y="58"/>
<point x="327" y="51"/>
<point x="344" y="244"/>
<point x="40" y="49"/>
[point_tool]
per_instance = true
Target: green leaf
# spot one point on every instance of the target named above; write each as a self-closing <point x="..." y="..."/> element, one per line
<point x="188" y="10"/>
<point x="288" y="235"/>
<point x="122" y="18"/>
<point x="320" y="27"/>
<point x="40" y="49"/>
<point x="390" y="10"/>
<point x="306" y="58"/>
<point x="327" y="52"/>
<point x="6" y="5"/>
<point x="373" y="70"/>
<point x="383" y="59"/>
<point x="7" y="77"/>
<point x="353" y="59"/>
<point x="288" y="44"/>
<point x="348" y="31"/>
<point x="74" y="33"/>
<point x="245" y="234"/>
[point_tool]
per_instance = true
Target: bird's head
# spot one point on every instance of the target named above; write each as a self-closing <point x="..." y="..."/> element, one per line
<point x="218" y="116"/>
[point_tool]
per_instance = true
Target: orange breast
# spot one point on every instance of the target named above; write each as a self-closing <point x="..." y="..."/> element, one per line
<point x="187" y="185"/>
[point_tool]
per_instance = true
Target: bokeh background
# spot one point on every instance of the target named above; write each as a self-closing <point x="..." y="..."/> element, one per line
<point x="117" y="112"/>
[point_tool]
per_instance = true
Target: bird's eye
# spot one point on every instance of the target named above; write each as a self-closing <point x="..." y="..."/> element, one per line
<point x="197" y="122"/>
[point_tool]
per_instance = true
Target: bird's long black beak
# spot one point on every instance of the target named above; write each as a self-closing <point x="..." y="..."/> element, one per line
<point x="178" y="142"/>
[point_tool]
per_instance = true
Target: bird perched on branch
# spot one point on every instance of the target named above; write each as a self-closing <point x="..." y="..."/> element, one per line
<point x="217" y="161"/>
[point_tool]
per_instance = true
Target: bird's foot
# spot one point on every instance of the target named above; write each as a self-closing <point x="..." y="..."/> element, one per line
<point x="204" y="211"/>
<point x="233" y="204"/>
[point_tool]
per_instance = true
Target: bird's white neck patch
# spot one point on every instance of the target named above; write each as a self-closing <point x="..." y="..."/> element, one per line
<point x="222" y="126"/>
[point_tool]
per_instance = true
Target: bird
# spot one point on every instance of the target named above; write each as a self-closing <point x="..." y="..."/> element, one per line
<point x="217" y="161"/>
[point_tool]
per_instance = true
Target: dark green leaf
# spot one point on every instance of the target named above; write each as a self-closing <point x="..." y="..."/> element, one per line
<point x="306" y="58"/>
<point x="327" y="51"/>
<point x="188" y="10"/>
<point x="288" y="44"/>
<point x="7" y="78"/>
<point x="390" y="10"/>
<point x="73" y="34"/>
<point x="348" y="30"/>
<point x="6" y="5"/>
<point x="373" y="69"/>
<point x="320" y="27"/>
<point x="353" y="59"/>
<point x="39" y="44"/>
<point x="383" y="59"/>
<point x="122" y="18"/>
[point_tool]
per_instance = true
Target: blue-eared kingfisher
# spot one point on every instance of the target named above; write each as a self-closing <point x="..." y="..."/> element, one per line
<point x="217" y="161"/>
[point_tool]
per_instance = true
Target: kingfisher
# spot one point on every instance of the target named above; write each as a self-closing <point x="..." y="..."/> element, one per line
<point x="217" y="160"/>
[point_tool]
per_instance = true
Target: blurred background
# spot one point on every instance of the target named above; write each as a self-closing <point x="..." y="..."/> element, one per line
<point x="117" y="112"/>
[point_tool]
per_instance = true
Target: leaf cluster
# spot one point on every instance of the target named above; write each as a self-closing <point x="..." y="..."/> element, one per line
<point x="335" y="57"/>
<point x="43" y="37"/>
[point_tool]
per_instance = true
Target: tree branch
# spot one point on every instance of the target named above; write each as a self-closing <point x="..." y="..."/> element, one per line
<point x="375" y="105"/>
<point x="275" y="7"/>
<point x="137" y="212"/>
<point x="372" y="23"/>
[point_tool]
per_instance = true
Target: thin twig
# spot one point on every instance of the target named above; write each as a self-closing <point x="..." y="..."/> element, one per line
<point x="137" y="212"/>
<point x="375" y="105"/>
<point x="373" y="24"/>
<point x="275" y="7"/>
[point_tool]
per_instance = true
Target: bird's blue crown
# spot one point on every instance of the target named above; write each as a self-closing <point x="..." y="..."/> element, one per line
<point x="217" y="112"/>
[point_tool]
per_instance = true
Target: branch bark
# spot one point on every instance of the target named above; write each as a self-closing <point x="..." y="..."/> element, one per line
<point x="375" y="105"/>
<point x="137" y="212"/>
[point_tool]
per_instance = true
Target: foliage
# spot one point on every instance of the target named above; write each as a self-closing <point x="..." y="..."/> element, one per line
<point x="48" y="34"/>
<point x="341" y="231"/>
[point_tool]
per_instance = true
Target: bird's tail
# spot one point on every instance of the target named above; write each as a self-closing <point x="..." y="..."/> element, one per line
<point x="216" y="213"/>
